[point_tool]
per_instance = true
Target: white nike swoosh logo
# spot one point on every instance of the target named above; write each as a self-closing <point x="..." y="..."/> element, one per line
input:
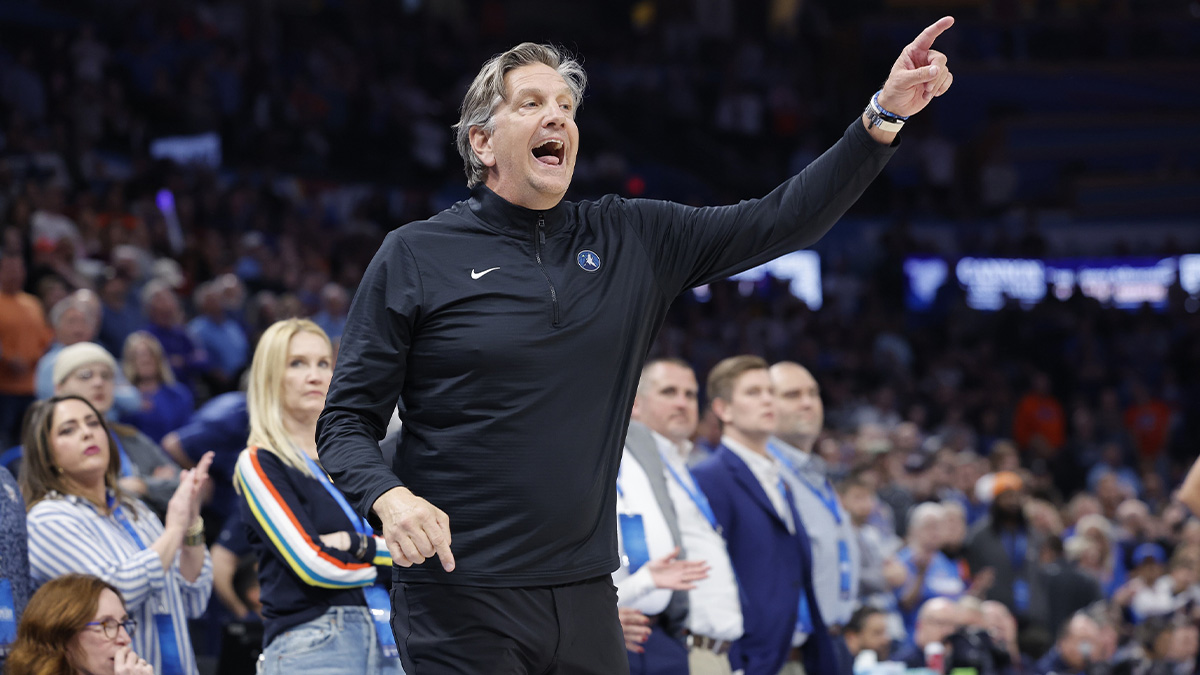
<point x="476" y="275"/>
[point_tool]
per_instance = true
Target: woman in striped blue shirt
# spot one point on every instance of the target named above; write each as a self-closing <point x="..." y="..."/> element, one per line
<point x="81" y="521"/>
<point x="322" y="609"/>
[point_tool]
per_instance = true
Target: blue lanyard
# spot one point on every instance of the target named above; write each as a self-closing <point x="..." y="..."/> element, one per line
<point x="827" y="496"/>
<point x="119" y="513"/>
<point x="172" y="663"/>
<point x="360" y="523"/>
<point x="1015" y="546"/>
<point x="126" y="465"/>
<point x="697" y="497"/>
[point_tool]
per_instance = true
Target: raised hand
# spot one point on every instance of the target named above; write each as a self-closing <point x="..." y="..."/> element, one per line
<point x="199" y="482"/>
<point x="414" y="529"/>
<point x="918" y="75"/>
<point x="677" y="575"/>
<point x="184" y="507"/>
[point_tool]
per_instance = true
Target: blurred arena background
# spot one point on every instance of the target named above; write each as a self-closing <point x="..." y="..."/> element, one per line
<point x="1034" y="246"/>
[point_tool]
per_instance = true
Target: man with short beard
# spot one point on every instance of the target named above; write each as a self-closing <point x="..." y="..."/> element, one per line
<point x="1004" y="543"/>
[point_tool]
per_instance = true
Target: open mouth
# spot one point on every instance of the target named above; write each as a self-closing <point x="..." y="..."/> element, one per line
<point x="550" y="152"/>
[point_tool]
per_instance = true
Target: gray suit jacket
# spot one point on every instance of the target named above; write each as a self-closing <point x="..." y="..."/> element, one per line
<point x="639" y="442"/>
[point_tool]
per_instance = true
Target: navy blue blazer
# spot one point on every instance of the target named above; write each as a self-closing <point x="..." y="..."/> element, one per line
<point x="772" y="566"/>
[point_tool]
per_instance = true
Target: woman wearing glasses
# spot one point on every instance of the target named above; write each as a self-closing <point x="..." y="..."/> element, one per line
<point x="316" y="556"/>
<point x="76" y="624"/>
<point x="80" y="520"/>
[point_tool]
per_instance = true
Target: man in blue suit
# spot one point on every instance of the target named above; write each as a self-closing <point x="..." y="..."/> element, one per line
<point x="769" y="548"/>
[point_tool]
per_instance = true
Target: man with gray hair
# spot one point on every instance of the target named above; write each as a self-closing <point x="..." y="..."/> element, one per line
<point x="511" y="328"/>
<point x="76" y="319"/>
<point x="930" y="573"/>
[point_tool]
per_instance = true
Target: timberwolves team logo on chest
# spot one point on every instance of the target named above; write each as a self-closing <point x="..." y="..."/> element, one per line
<point x="588" y="260"/>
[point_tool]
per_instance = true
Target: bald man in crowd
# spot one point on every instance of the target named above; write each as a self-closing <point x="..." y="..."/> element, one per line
<point x="834" y="546"/>
<point x="1078" y="647"/>
<point x="937" y="619"/>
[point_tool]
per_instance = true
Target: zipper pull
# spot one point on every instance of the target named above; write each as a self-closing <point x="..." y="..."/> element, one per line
<point x="542" y="229"/>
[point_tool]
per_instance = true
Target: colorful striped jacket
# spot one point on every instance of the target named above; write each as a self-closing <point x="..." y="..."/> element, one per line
<point x="286" y="511"/>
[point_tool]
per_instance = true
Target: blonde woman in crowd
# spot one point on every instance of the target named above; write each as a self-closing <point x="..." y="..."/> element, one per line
<point x="317" y="558"/>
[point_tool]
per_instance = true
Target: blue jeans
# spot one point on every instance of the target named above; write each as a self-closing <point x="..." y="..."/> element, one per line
<point x="342" y="640"/>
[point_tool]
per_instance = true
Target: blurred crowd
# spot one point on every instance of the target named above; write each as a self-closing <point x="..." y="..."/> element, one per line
<point x="1068" y="424"/>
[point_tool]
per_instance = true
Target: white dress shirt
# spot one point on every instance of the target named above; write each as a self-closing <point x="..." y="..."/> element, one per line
<point x="635" y="496"/>
<point x="714" y="609"/>
<point x="769" y="472"/>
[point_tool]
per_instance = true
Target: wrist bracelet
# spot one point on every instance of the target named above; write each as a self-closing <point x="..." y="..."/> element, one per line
<point x="886" y="113"/>
<point x="194" y="539"/>
<point x="883" y="119"/>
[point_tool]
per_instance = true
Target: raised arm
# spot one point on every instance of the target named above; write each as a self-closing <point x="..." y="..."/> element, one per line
<point x="917" y="77"/>
<point x="692" y="246"/>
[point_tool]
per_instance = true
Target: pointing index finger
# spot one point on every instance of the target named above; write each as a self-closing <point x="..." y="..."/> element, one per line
<point x="925" y="39"/>
<point x="442" y="541"/>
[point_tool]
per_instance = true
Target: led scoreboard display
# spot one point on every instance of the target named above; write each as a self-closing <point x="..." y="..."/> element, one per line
<point x="990" y="283"/>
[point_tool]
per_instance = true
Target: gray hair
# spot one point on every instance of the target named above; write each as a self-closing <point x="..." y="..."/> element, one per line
<point x="925" y="514"/>
<point x="153" y="288"/>
<point x="77" y="301"/>
<point x="488" y="91"/>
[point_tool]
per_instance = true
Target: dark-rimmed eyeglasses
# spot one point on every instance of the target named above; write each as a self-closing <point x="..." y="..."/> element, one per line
<point x="111" y="627"/>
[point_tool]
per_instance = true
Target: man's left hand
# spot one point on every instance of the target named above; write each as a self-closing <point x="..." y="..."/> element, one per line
<point x="918" y="75"/>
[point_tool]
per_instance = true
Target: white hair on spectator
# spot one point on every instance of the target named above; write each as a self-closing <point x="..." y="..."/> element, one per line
<point x="1095" y="521"/>
<point x="1074" y="547"/>
<point x="1132" y="508"/>
<point x="73" y="301"/>
<point x="925" y="514"/>
<point x="154" y="287"/>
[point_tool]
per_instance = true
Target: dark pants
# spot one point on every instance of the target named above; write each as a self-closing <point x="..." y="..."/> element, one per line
<point x="544" y="630"/>
<point x="663" y="655"/>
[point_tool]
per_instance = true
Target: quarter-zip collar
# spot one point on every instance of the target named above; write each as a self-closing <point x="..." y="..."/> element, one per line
<point x="505" y="217"/>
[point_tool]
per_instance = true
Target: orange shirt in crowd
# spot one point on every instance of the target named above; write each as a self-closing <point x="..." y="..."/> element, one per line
<point x="24" y="337"/>
<point x="1039" y="415"/>
<point x="1148" y="424"/>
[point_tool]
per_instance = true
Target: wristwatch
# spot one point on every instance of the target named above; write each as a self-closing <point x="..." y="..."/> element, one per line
<point x="884" y="120"/>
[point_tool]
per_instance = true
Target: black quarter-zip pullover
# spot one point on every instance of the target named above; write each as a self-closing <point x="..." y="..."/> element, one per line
<point x="514" y="340"/>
